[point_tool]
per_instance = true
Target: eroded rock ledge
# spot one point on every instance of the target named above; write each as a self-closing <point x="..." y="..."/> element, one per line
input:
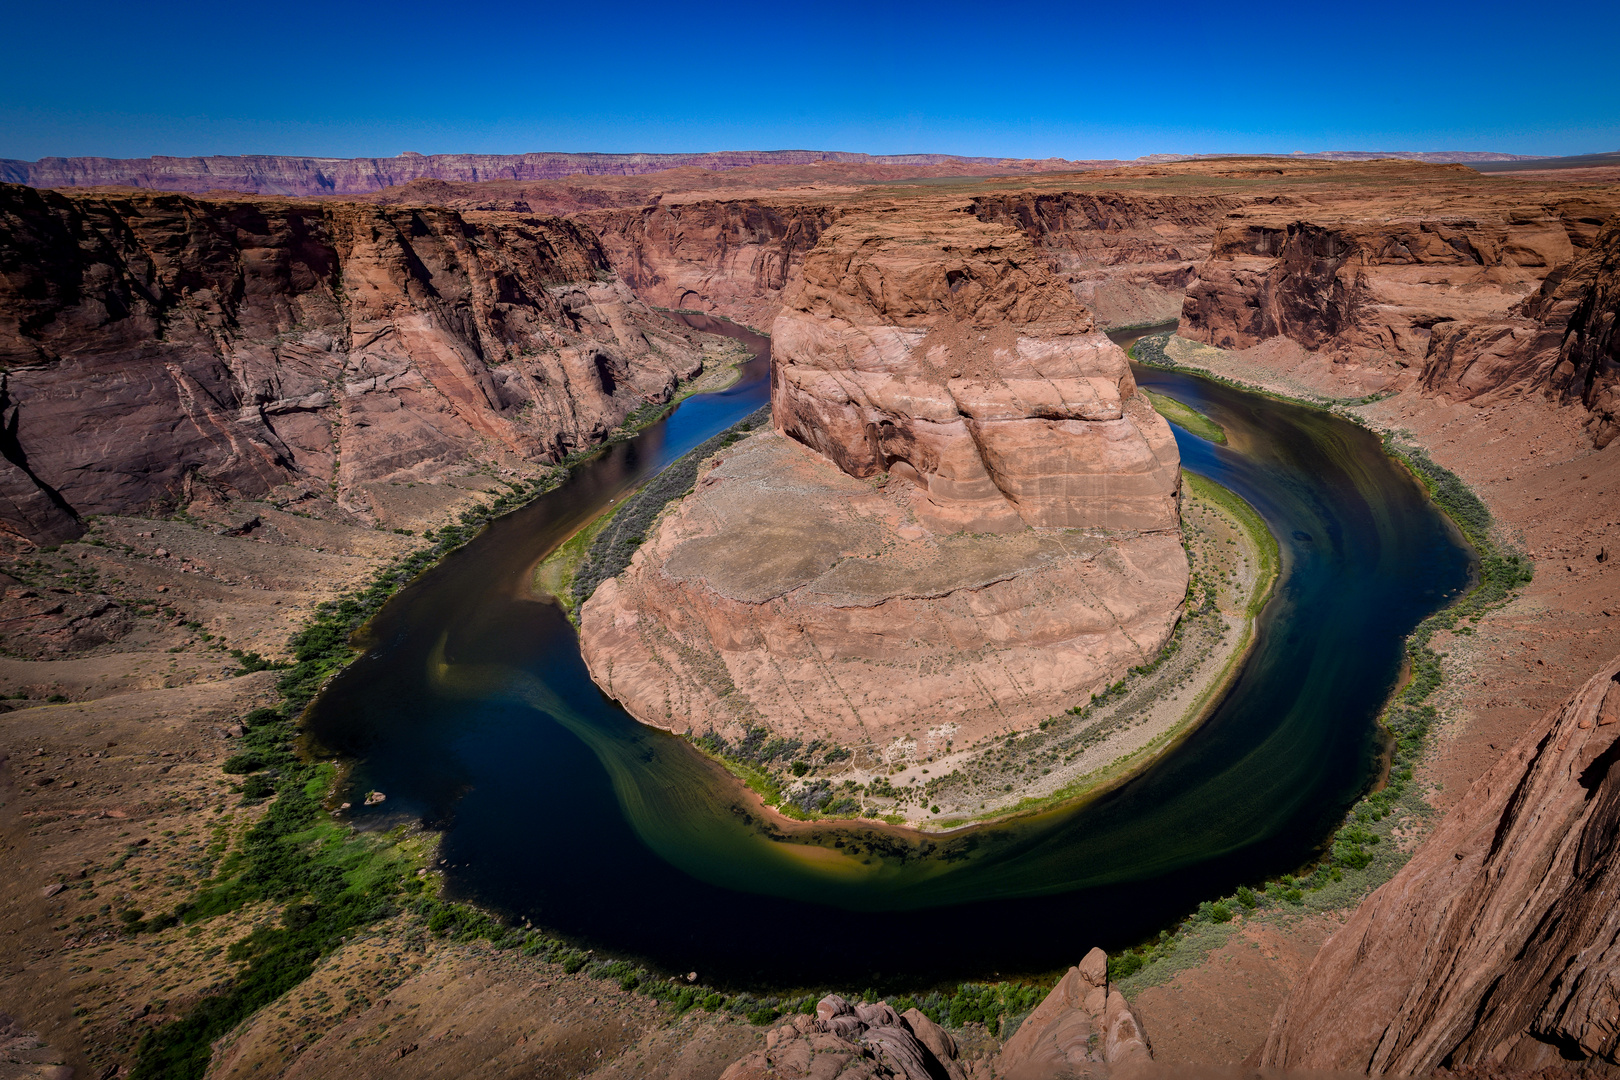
<point x="973" y="524"/>
<point x="1499" y="943"/>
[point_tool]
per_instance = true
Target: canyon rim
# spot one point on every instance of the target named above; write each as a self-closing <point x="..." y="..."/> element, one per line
<point x="235" y="421"/>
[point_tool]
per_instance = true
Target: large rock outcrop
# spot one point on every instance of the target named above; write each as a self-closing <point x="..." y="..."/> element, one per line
<point x="1082" y="1024"/>
<point x="1472" y="297"/>
<point x="971" y="525"/>
<point x="853" y="1041"/>
<point x="1083" y="1028"/>
<point x="151" y="343"/>
<point x="946" y="353"/>
<point x="1499" y="943"/>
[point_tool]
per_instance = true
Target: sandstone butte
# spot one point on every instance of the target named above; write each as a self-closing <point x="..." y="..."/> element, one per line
<point x="965" y="519"/>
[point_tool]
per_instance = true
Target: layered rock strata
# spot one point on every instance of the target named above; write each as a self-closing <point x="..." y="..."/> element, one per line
<point x="1129" y="257"/>
<point x="971" y="524"/>
<point x="948" y="355"/>
<point x="732" y="258"/>
<point x="266" y="174"/>
<point x="1471" y="299"/>
<point x="155" y="344"/>
<point x="1499" y="943"/>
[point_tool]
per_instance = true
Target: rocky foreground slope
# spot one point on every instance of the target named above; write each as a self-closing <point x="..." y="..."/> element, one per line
<point x="1083" y="1028"/>
<point x="965" y="521"/>
<point x="161" y="348"/>
<point x="1499" y="943"/>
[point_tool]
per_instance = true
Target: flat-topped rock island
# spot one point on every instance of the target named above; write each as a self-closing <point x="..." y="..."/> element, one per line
<point x="964" y="520"/>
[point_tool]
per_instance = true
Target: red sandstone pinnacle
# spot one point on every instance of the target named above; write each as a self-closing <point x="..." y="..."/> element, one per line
<point x="1081" y="1021"/>
<point x="1499" y="943"/>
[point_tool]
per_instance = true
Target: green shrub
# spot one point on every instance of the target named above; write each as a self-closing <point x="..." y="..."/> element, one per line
<point x="258" y="788"/>
<point x="237" y="764"/>
<point x="613" y="547"/>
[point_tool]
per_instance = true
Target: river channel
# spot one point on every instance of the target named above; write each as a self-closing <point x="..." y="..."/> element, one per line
<point x="472" y="709"/>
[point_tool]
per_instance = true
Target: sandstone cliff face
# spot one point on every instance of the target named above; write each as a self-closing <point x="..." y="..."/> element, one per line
<point x="1129" y="257"/>
<point x="155" y="343"/>
<point x="972" y="524"/>
<point x="1469" y="300"/>
<point x="1499" y="943"/>
<point x="948" y="355"/>
<point x="1588" y="362"/>
<point x="730" y="258"/>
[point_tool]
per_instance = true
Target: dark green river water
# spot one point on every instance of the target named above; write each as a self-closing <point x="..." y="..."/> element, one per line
<point x="472" y="710"/>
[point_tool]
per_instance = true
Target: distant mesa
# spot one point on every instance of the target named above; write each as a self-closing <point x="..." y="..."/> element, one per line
<point x="264" y="174"/>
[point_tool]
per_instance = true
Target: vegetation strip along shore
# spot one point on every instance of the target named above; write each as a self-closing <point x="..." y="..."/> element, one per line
<point x="1366" y="851"/>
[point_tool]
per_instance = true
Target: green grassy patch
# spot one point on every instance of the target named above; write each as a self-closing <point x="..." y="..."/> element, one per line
<point x="555" y="576"/>
<point x="1186" y="417"/>
<point x="613" y="545"/>
<point x="1253" y="524"/>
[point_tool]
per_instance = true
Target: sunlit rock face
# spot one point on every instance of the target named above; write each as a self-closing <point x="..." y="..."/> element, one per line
<point x="964" y="522"/>
<point x="163" y="348"/>
<point x="1498" y="944"/>
<point x="949" y="356"/>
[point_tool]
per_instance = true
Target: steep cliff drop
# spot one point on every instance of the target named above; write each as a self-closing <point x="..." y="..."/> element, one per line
<point x="1480" y="300"/>
<point x="965" y="521"/>
<point x="1499" y="943"/>
<point x="161" y="348"/>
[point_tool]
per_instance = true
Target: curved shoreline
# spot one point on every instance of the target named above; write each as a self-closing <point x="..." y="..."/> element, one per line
<point x="1130" y="760"/>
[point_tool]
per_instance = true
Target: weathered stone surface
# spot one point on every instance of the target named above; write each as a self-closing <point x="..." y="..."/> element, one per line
<point x="155" y="345"/>
<point x="1128" y="257"/>
<point x="853" y="1042"/>
<point x="1083" y="1028"/>
<point x="1475" y="298"/>
<point x="732" y="258"/>
<point x="945" y="353"/>
<point x="1499" y="943"/>
<point x="785" y="592"/>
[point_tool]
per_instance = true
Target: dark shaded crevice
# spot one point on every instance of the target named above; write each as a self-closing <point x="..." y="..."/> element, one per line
<point x="11" y="449"/>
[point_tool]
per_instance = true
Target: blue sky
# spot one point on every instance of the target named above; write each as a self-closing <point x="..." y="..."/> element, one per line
<point x="1075" y="80"/>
